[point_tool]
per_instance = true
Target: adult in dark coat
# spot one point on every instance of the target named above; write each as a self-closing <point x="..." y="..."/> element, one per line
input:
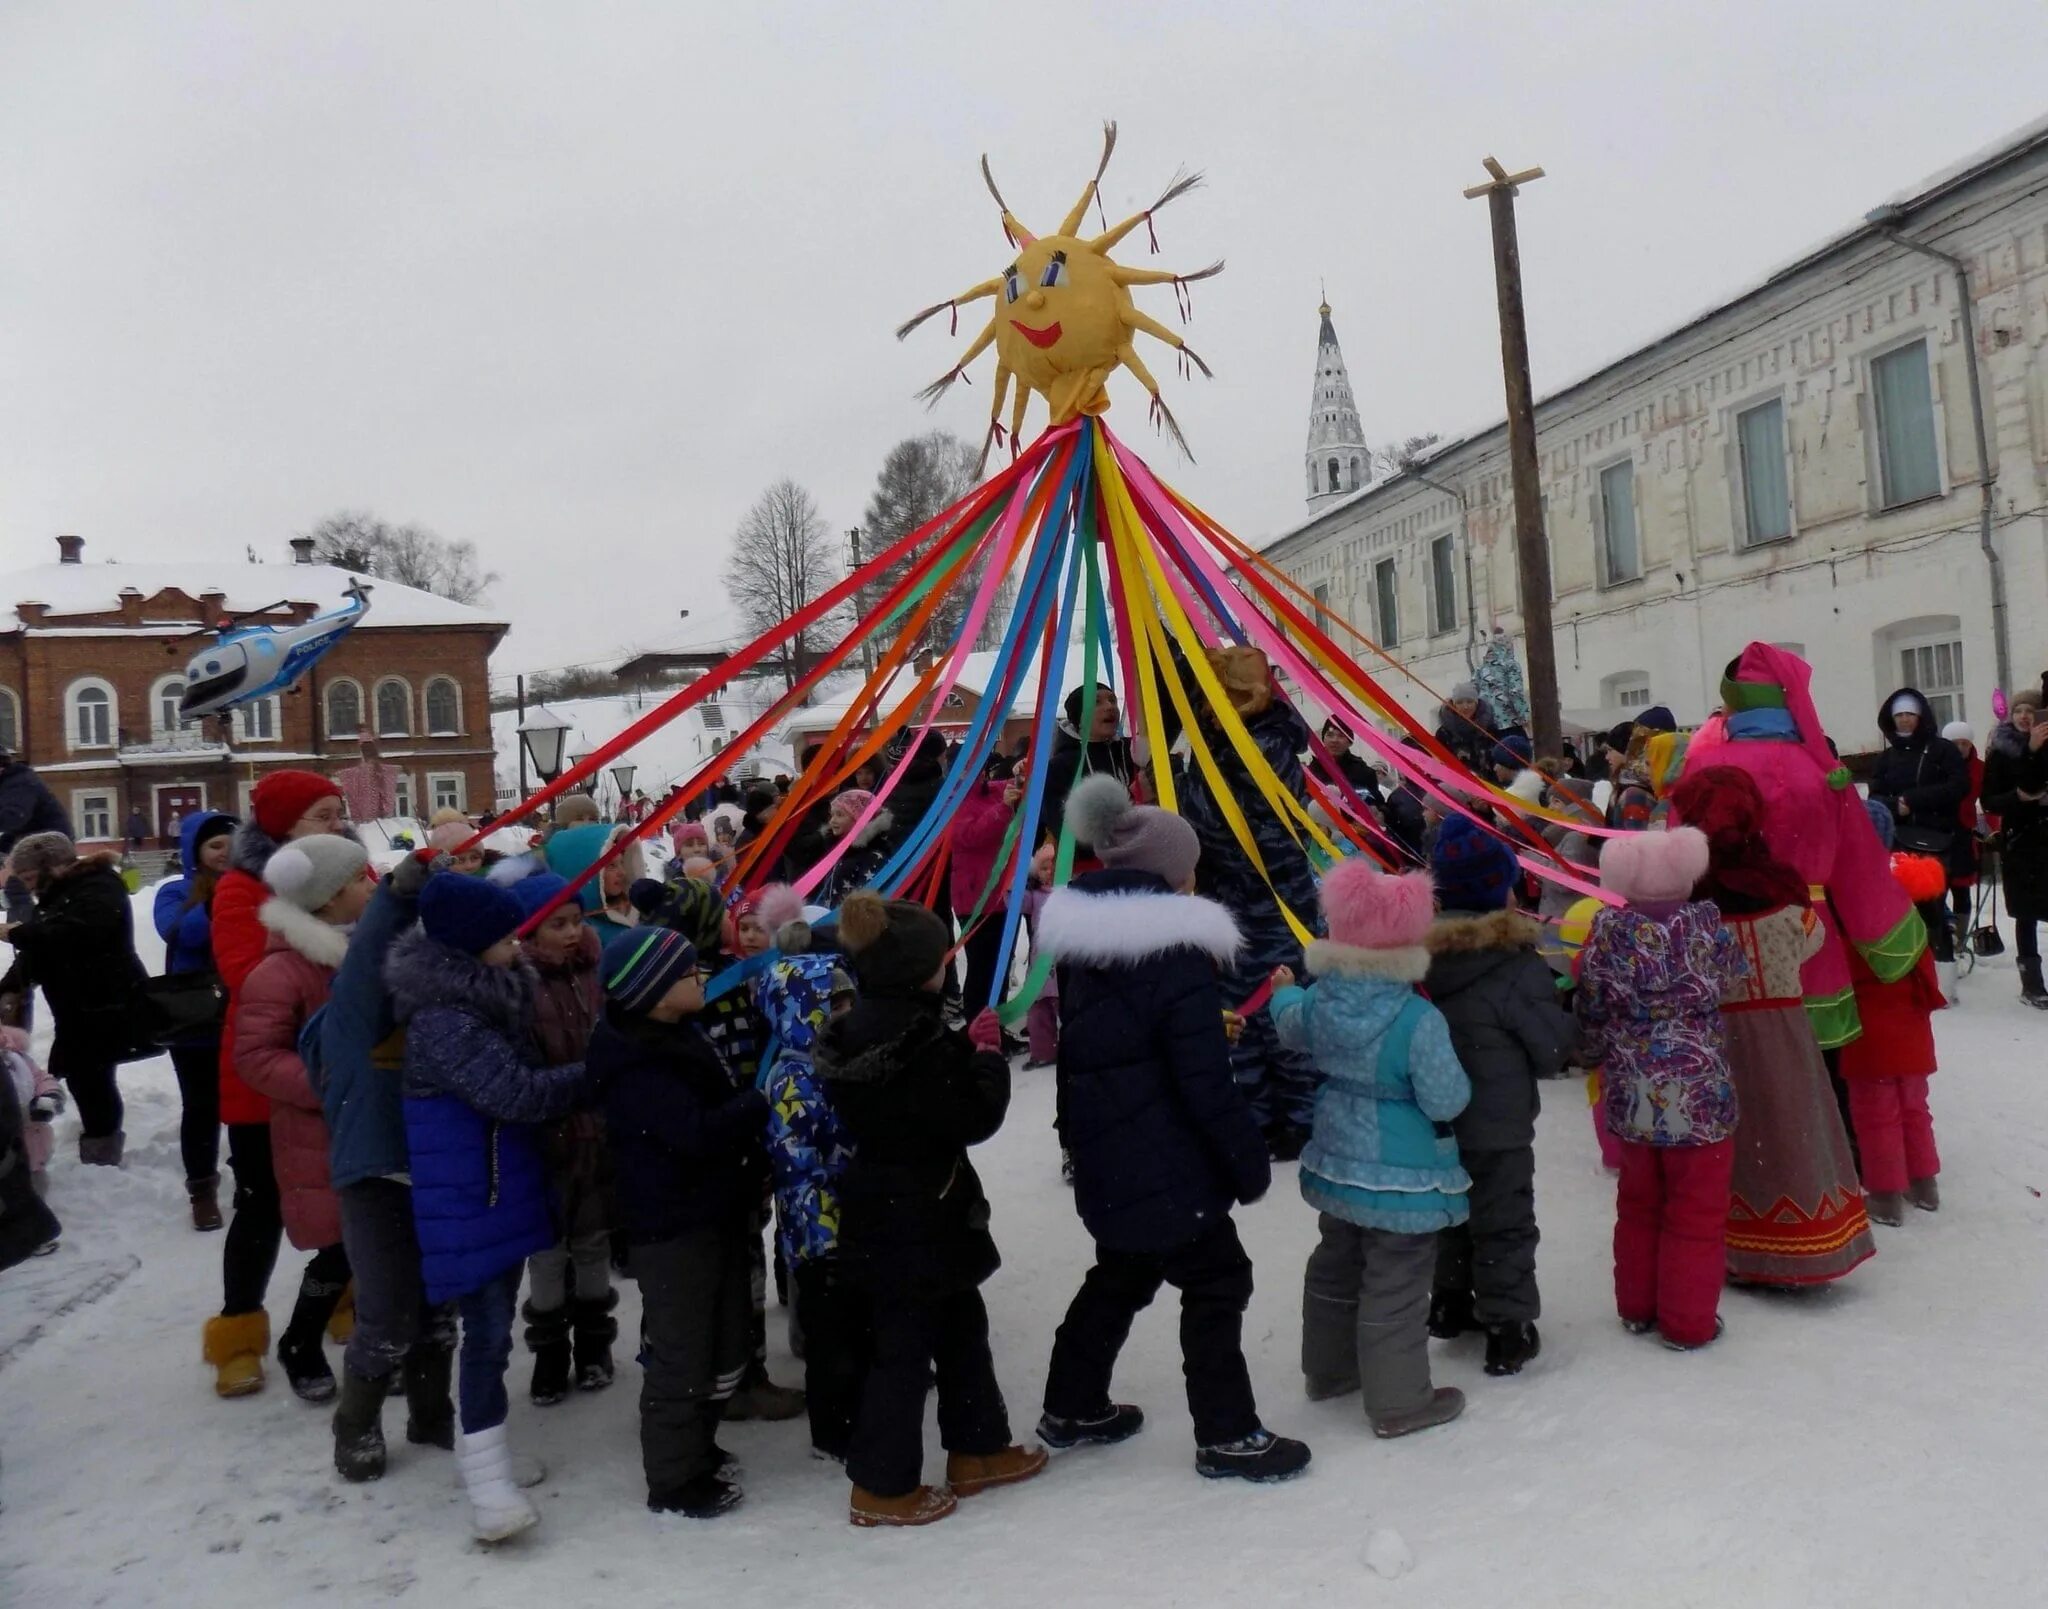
<point x="2016" y="791"/>
<point x="914" y="794"/>
<point x="1101" y="752"/>
<point x="1357" y="770"/>
<point x="27" y="805"/>
<point x="79" y="948"/>
<point x="1466" y="725"/>
<point x="1922" y="778"/>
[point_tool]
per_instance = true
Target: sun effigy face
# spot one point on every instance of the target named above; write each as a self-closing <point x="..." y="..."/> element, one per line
<point x="1064" y="319"/>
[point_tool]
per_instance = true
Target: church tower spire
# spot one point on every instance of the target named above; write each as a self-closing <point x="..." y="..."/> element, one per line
<point x="1338" y="462"/>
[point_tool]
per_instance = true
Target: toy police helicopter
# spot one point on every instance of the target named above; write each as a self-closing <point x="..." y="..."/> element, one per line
<point x="251" y="662"/>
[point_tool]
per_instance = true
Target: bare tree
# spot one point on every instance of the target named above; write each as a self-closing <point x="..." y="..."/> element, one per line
<point x="411" y="555"/>
<point x="1400" y="459"/>
<point x="921" y="478"/>
<point x="783" y="558"/>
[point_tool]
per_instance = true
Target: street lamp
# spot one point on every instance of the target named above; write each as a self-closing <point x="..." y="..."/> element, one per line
<point x="576" y="764"/>
<point x="622" y="778"/>
<point x="543" y="734"/>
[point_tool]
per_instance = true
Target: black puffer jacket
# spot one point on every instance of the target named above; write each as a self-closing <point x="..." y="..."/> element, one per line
<point x="1163" y="1143"/>
<point x="27" y="805"/>
<point x="1470" y="737"/>
<point x="2011" y="768"/>
<point x="913" y="797"/>
<point x="1926" y="774"/>
<point x="913" y="1095"/>
<point x="1500" y="999"/>
<point x="79" y="946"/>
<point x="1225" y="872"/>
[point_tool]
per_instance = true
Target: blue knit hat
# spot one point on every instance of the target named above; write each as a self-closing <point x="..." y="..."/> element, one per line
<point x="1474" y="870"/>
<point x="1514" y="752"/>
<point x="643" y="963"/>
<point x="1881" y="820"/>
<point x="467" y="913"/>
<point x="537" y="890"/>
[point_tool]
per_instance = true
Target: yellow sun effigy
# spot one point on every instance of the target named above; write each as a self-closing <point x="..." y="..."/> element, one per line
<point x="1067" y="319"/>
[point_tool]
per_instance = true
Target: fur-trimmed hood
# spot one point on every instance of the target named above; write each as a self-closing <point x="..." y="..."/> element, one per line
<point x="878" y="826"/>
<point x="322" y="943"/>
<point x="421" y="973"/>
<point x="252" y="849"/>
<point x="1121" y="918"/>
<point x="1497" y="930"/>
<point x="1407" y="964"/>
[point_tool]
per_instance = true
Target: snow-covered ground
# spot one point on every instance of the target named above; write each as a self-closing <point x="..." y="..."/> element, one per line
<point x="1879" y="1443"/>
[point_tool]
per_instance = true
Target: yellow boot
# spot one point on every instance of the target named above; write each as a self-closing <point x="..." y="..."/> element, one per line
<point x="235" y="1347"/>
<point x="341" y="1324"/>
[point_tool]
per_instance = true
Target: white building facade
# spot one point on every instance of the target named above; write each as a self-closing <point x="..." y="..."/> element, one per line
<point x="1799" y="465"/>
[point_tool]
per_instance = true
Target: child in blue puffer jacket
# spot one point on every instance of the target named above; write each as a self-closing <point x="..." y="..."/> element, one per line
<point x="1382" y="1165"/>
<point x="475" y="1090"/>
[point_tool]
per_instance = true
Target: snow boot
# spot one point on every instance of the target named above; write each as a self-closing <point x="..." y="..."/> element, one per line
<point x="1639" y="1326"/>
<point x="1450" y="1314"/>
<point x="1284" y="1142"/>
<point x="234" y="1344"/>
<point x="547" y="1337"/>
<point x="102" y="1151"/>
<point x="970" y="1474"/>
<point x="1113" y="1423"/>
<point x="2032" y="989"/>
<point x="704" y="1498"/>
<point x="1720" y="1328"/>
<point x="429" y="1411"/>
<point x="1886" y="1207"/>
<point x="1445" y="1404"/>
<point x="595" y="1330"/>
<point x="761" y="1398"/>
<point x="1259" y="1457"/>
<point x="359" y="1427"/>
<point x="299" y="1349"/>
<point x="341" y="1323"/>
<point x="497" y="1511"/>
<point x="205" y="1197"/>
<point x="920" y="1507"/>
<point x="1328" y="1387"/>
<point x="1945" y="971"/>
<point x="1509" y="1346"/>
<point x="1925" y="1194"/>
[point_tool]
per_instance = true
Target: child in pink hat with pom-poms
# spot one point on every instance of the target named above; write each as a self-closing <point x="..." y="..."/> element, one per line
<point x="1381" y="1166"/>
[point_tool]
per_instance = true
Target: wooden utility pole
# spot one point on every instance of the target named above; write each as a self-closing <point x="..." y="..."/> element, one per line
<point x="1532" y="553"/>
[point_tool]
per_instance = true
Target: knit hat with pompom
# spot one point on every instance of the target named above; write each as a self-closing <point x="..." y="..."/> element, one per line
<point x="1655" y="868"/>
<point x="1368" y="909"/>
<point x="309" y="872"/>
<point x="895" y="945"/>
<point x="1132" y="837"/>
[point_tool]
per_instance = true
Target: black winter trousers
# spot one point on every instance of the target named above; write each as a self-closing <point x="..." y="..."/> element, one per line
<point x="695" y="1309"/>
<point x="1214" y="1278"/>
<point x="838" y="1347"/>
<point x="89" y="1075"/>
<point x="249" y="1253"/>
<point x="946" y="1338"/>
<point x="198" y="1070"/>
<point x="392" y="1315"/>
<point x="984" y="953"/>
<point x="1492" y="1256"/>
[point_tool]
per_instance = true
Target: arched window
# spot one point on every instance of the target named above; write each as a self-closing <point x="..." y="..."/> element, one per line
<point x="394" y="708"/>
<point x="1334" y="474"/>
<point x="1357" y="472"/>
<point x="164" y="718"/>
<point x="344" y="708"/>
<point x="444" y="707"/>
<point x="90" y="714"/>
<point x="259" y="720"/>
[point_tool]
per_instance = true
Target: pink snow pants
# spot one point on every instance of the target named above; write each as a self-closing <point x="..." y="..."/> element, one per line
<point x="1670" y="1237"/>
<point x="1894" y="1132"/>
<point x="1042" y="1025"/>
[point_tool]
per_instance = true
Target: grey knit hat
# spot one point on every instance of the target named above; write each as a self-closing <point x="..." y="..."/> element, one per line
<point x="1465" y="693"/>
<point x="309" y="872"/>
<point x="1132" y="837"/>
<point x="42" y="853"/>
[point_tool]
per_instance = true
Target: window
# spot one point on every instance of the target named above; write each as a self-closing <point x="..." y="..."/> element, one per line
<point x="1766" y="493"/>
<point x="444" y="708"/>
<point x="10" y="721"/>
<point x="1355" y="476"/>
<point x="1936" y="668"/>
<point x="1443" y="586"/>
<point x="394" y="710"/>
<point x="1621" y="558"/>
<point x="1384" y="589"/>
<point x="90" y="719"/>
<point x="258" y="721"/>
<point x="1909" y="465"/>
<point x="1322" y="597"/>
<point x="94" y="813"/>
<point x="164" y="699"/>
<point x="445" y="790"/>
<point x="1333" y="474"/>
<point x="344" y="709"/>
<point x="402" y="790"/>
<point x="1626" y="690"/>
<point x="714" y="717"/>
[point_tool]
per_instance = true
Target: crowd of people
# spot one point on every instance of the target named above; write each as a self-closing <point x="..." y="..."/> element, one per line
<point x="546" y="1072"/>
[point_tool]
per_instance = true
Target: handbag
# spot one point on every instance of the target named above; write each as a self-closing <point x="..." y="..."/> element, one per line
<point x="182" y="1006"/>
<point x="1986" y="940"/>
<point x="1914" y="839"/>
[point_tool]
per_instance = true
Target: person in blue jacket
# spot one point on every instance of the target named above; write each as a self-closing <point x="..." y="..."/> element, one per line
<point x="1162" y="1138"/>
<point x="184" y="922"/>
<point x="475" y="1093"/>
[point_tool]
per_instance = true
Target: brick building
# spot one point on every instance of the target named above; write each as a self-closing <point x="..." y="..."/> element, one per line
<point x="92" y="660"/>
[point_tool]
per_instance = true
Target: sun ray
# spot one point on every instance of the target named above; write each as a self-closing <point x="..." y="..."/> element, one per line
<point x="930" y="395"/>
<point x="995" y="416"/>
<point x="1162" y="276"/>
<point x="987" y="287"/>
<point x="1135" y="320"/>
<point x="1072" y="221"/>
<point x="1017" y="417"/>
<point x="1182" y="183"/>
<point x="1011" y="227"/>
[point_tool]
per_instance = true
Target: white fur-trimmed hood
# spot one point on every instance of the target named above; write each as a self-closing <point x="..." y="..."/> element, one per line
<point x="1127" y="926"/>
<point x="319" y="942"/>
<point x="1408" y="964"/>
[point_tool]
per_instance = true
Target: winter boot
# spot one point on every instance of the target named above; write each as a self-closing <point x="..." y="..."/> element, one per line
<point x="969" y="1474"/>
<point x="1925" y="1194"/>
<point x="704" y="1498"/>
<point x="547" y="1337"/>
<point x="429" y="1411"/>
<point x="1720" y="1327"/>
<point x="205" y="1195"/>
<point x="1639" y="1326"/>
<point x="341" y="1323"/>
<point x="1113" y="1423"/>
<point x="497" y="1511"/>
<point x="2032" y="990"/>
<point x="359" y="1427"/>
<point x="761" y="1398"/>
<point x="595" y="1330"/>
<point x="1284" y="1142"/>
<point x="1261" y="1457"/>
<point x="1450" y="1314"/>
<point x="305" y="1364"/>
<point x="1886" y="1207"/>
<point x="1509" y="1346"/>
<point x="234" y="1345"/>
<point x="1328" y="1387"/>
<point x="920" y="1507"/>
<point x="102" y="1151"/>
<point x="1445" y="1404"/>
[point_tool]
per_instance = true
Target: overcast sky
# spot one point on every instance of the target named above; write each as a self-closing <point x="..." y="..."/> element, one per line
<point x="576" y="281"/>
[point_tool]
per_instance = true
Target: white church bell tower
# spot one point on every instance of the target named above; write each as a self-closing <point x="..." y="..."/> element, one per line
<point x="1338" y="462"/>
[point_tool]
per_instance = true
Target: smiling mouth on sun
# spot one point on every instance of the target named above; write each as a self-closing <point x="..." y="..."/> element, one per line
<point x="1039" y="338"/>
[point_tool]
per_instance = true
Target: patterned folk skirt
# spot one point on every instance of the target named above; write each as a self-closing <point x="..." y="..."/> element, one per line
<point x="1795" y="1215"/>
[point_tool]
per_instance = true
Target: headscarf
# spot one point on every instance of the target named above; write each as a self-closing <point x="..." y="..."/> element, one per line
<point x="1743" y="877"/>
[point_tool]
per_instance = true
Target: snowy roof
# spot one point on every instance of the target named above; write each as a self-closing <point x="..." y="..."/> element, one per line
<point x="88" y="588"/>
<point x="665" y="757"/>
